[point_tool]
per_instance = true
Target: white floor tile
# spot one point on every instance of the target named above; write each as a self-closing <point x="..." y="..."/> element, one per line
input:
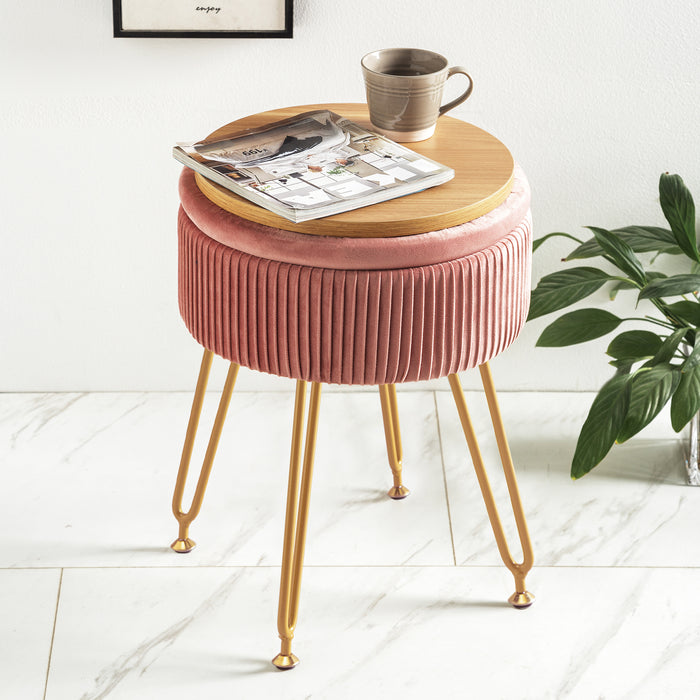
<point x="398" y="632"/>
<point x="99" y="470"/>
<point x="87" y="481"/>
<point x="634" y="509"/>
<point x="27" y="612"/>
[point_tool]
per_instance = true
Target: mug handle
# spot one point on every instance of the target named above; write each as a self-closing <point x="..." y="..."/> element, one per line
<point x="457" y="101"/>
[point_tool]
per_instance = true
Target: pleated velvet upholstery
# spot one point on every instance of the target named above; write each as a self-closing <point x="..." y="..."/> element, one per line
<point x="354" y="326"/>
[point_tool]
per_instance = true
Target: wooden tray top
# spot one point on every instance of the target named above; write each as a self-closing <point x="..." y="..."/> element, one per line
<point x="483" y="178"/>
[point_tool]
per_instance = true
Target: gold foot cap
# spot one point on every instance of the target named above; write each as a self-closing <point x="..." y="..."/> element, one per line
<point x="398" y="492"/>
<point x="183" y="546"/>
<point x="521" y="600"/>
<point x="285" y="661"/>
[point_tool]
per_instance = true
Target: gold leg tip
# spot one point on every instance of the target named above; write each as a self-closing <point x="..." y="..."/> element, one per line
<point x="285" y="661"/>
<point x="398" y="492"/>
<point x="182" y="546"/>
<point x="521" y="600"/>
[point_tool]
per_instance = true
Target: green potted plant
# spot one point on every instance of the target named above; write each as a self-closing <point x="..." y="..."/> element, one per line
<point x="654" y="366"/>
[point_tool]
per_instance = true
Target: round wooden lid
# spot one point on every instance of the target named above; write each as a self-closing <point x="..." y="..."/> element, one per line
<point x="483" y="178"/>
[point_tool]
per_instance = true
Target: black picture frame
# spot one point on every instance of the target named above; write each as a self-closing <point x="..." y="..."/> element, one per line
<point x="283" y="30"/>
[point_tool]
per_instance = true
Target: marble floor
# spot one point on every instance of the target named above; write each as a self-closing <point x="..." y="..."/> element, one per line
<point x="400" y="599"/>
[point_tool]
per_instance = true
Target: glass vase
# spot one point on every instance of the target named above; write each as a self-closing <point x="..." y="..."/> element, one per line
<point x="691" y="463"/>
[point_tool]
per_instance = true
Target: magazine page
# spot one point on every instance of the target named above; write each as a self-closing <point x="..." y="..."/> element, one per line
<point x="314" y="164"/>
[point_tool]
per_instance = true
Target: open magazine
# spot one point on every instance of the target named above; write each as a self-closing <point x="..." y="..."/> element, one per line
<point x="312" y="165"/>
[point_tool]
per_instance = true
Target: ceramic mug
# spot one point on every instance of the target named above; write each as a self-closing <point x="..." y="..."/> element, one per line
<point x="404" y="91"/>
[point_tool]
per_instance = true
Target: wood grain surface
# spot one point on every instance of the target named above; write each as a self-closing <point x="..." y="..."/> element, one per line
<point x="483" y="178"/>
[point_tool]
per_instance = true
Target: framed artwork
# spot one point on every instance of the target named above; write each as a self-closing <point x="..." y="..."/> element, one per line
<point x="245" y="19"/>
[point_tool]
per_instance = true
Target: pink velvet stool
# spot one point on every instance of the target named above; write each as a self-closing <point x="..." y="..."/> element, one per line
<point x="356" y="311"/>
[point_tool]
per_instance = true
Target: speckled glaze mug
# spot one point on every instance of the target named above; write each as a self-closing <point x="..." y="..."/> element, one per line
<point x="404" y="91"/>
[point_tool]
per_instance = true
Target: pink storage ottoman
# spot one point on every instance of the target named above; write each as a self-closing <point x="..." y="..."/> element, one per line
<point x="356" y="311"/>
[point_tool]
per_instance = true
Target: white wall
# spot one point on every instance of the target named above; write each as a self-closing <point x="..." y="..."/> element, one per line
<point x="595" y="99"/>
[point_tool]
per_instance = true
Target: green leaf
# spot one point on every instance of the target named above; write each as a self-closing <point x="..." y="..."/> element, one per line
<point x="588" y="249"/>
<point x="564" y="288"/>
<point x="671" y="286"/>
<point x="648" y="239"/>
<point x="628" y="284"/>
<point x="604" y="421"/>
<point x="686" y="399"/>
<point x="694" y="358"/>
<point x="622" y="366"/>
<point x="687" y="310"/>
<point x="620" y="286"/>
<point x="668" y="349"/>
<point x="642" y="239"/>
<point x="578" y="327"/>
<point x="536" y="244"/>
<point x="679" y="210"/>
<point x="622" y="255"/>
<point x="651" y="390"/>
<point x="634" y="345"/>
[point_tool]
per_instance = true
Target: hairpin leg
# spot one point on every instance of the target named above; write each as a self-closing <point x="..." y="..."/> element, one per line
<point x="296" y="519"/>
<point x="521" y="598"/>
<point x="392" y="433"/>
<point x="183" y="543"/>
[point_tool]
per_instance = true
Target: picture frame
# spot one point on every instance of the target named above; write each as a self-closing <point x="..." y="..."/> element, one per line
<point x="205" y="19"/>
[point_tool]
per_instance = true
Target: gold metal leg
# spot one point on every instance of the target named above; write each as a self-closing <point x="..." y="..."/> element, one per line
<point x="392" y="433"/>
<point x="521" y="598"/>
<point x="296" y="521"/>
<point x="183" y="543"/>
